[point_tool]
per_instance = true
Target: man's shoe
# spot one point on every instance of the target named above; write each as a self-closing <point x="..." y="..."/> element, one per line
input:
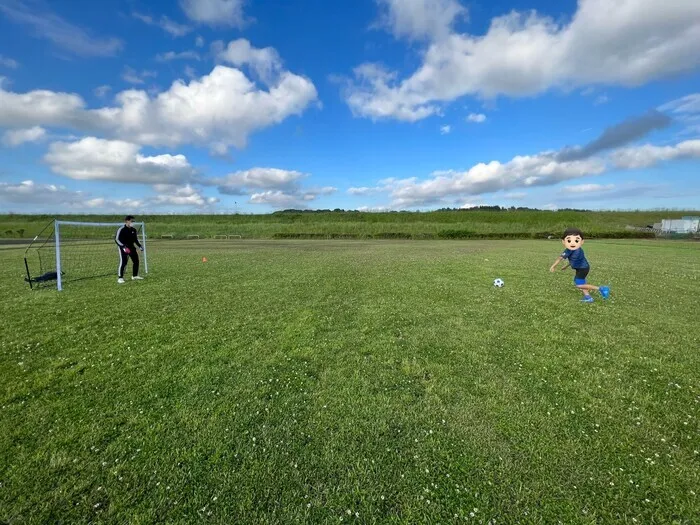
<point x="604" y="291"/>
<point x="137" y="278"/>
<point x="120" y="281"/>
<point x="587" y="299"/>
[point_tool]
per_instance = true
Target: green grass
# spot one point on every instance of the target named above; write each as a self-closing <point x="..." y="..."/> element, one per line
<point x="373" y="382"/>
<point x="524" y="223"/>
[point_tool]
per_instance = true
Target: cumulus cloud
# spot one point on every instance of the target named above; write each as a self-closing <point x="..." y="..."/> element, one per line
<point x="223" y="107"/>
<point x="649" y="155"/>
<point x="215" y="12"/>
<point x="420" y="19"/>
<point x="44" y="23"/>
<point x="246" y="181"/>
<point x="444" y="130"/>
<point x="476" y="117"/>
<point x="612" y="43"/>
<point x="116" y="161"/>
<point x="265" y="62"/>
<point x="52" y="198"/>
<point x="284" y="199"/>
<point x="170" y="194"/>
<point x="16" y="137"/>
<point x="30" y="193"/>
<point x="520" y="172"/>
<point x="273" y="186"/>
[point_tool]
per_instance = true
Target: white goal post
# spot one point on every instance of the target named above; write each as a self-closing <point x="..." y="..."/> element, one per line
<point x="115" y="225"/>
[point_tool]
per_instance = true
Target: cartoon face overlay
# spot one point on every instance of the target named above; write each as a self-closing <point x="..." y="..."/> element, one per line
<point x="572" y="242"/>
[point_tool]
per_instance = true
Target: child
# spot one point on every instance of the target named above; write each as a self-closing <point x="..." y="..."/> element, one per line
<point x="572" y="241"/>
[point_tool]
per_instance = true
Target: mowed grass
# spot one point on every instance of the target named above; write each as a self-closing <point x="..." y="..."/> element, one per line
<point x="363" y="382"/>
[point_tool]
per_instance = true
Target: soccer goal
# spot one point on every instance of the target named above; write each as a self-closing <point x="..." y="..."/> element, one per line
<point x="68" y="251"/>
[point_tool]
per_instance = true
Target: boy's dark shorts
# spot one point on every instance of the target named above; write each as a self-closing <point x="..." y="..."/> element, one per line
<point x="580" y="277"/>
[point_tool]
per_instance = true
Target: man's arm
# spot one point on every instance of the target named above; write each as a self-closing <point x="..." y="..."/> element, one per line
<point x="117" y="237"/>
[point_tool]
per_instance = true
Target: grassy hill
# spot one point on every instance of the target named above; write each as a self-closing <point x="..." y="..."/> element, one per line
<point x="464" y="224"/>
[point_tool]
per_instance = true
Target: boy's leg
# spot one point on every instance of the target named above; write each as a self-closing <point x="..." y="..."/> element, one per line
<point x="580" y="283"/>
<point x="587" y="287"/>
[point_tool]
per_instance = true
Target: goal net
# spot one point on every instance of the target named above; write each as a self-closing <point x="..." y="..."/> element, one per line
<point x="69" y="251"/>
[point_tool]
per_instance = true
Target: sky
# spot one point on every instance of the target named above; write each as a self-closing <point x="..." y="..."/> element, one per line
<point x="252" y="106"/>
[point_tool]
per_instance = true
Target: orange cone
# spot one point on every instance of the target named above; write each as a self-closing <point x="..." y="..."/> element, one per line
<point x="204" y="259"/>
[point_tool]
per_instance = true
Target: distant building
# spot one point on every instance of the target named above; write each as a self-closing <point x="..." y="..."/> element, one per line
<point x="684" y="225"/>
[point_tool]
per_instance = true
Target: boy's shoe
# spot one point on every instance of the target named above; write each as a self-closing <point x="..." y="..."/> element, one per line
<point x="137" y="278"/>
<point x="604" y="291"/>
<point x="587" y="299"/>
<point x="120" y="281"/>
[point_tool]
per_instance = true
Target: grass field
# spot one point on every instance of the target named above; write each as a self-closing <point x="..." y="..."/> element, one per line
<point x="355" y="381"/>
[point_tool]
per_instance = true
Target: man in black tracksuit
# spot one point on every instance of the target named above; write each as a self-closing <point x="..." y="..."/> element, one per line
<point x="127" y="239"/>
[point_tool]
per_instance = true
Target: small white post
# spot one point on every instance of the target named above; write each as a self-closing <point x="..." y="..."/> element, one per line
<point x="143" y="241"/>
<point x="57" y="237"/>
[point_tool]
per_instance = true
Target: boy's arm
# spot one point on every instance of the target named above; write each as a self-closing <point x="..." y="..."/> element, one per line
<point x="553" y="267"/>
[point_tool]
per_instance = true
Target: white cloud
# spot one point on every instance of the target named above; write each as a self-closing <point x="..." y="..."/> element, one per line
<point x="420" y="19"/>
<point x="181" y="196"/>
<point x="648" y="155"/>
<point x="46" y="24"/>
<point x="612" y="43"/>
<point x="520" y="172"/>
<point x="282" y="199"/>
<point x="101" y="91"/>
<point x="8" y="62"/>
<point x="273" y="186"/>
<point x="51" y="198"/>
<point x="117" y="161"/>
<point x="172" y="55"/>
<point x="29" y="192"/>
<point x="40" y="107"/>
<point x="245" y="181"/>
<point x="223" y="107"/>
<point x="588" y="188"/>
<point x="215" y="12"/>
<point x="686" y="105"/>
<point x="363" y="191"/>
<point x="476" y="117"/>
<point x="199" y="41"/>
<point x="265" y="62"/>
<point x="165" y="23"/>
<point x="444" y="130"/>
<point x="134" y="77"/>
<point x="687" y="111"/>
<point x="190" y="72"/>
<point x="16" y="137"/>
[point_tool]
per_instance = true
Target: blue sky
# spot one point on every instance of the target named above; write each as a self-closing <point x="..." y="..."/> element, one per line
<point x="215" y="106"/>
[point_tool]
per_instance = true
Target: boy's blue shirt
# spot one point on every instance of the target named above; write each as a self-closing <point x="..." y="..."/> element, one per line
<point x="576" y="258"/>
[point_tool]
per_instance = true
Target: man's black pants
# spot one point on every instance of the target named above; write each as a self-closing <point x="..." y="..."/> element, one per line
<point x="124" y="258"/>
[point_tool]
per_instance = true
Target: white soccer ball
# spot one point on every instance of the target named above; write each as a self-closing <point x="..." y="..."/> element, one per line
<point x="498" y="283"/>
